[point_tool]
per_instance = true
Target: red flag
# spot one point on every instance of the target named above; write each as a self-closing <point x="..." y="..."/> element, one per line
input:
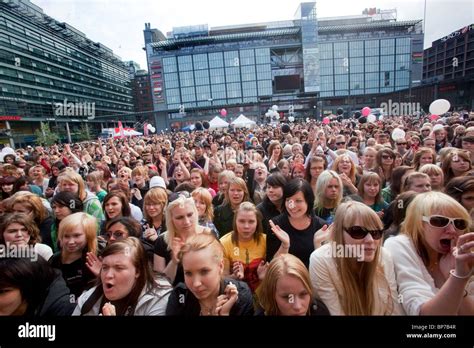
<point x="122" y="135"/>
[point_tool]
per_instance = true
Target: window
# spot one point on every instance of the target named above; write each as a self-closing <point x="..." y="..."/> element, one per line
<point x="248" y="73"/>
<point x="356" y="48"/>
<point x="216" y="60"/>
<point x="232" y="59"/>
<point x="371" y="48"/>
<point x="217" y="75"/>
<point x="200" y="61"/>
<point x="202" y="77"/>
<point x="387" y="46"/>
<point x="247" y="57"/>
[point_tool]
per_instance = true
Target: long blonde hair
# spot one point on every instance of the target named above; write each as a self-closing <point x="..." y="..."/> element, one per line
<point x="172" y="232"/>
<point x="71" y="176"/>
<point x="426" y="204"/>
<point x="359" y="279"/>
<point x="321" y="184"/>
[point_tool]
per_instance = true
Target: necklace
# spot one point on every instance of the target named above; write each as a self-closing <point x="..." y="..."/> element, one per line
<point x="206" y="310"/>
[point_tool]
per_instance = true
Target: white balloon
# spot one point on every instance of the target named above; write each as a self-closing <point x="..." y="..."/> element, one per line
<point x="381" y="118"/>
<point x="149" y="126"/>
<point x="439" y="107"/>
<point x="371" y="118"/>
<point x="307" y="119"/>
<point x="398" y="134"/>
<point x="291" y="119"/>
<point x="275" y="107"/>
<point x="152" y="129"/>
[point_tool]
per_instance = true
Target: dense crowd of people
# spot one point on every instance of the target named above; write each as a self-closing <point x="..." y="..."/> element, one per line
<point x="346" y="218"/>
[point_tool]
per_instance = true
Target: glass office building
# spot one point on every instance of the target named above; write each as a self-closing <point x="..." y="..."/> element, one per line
<point x="44" y="62"/>
<point x="297" y="64"/>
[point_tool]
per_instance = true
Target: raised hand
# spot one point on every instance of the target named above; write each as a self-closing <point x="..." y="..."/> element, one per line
<point x="322" y="235"/>
<point x="262" y="269"/>
<point x="225" y="302"/>
<point x="238" y="270"/>
<point x="93" y="263"/>
<point x="281" y="235"/>
<point x="108" y="309"/>
<point x="176" y="245"/>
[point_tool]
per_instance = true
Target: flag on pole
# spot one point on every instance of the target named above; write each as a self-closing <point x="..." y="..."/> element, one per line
<point x="145" y="129"/>
<point x="121" y="132"/>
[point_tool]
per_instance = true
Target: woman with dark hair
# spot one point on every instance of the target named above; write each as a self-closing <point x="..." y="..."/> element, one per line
<point x="272" y="204"/>
<point x="32" y="288"/>
<point x="390" y="192"/>
<point x="399" y="211"/>
<point x="56" y="169"/>
<point x="297" y="220"/>
<point x="370" y="191"/>
<point x="385" y="164"/>
<point x="462" y="190"/>
<point x="314" y="168"/>
<point x="7" y="184"/>
<point x="456" y="163"/>
<point x="63" y="204"/>
<point x="126" y="286"/>
<point x="115" y="204"/>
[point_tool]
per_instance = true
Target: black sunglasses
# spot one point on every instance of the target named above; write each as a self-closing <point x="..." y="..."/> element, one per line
<point x="342" y="143"/>
<point x="358" y="232"/>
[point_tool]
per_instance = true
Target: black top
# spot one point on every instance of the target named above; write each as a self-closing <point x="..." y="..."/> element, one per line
<point x="224" y="219"/>
<point x="301" y="241"/>
<point x="57" y="301"/>
<point x="268" y="211"/>
<point x="218" y="200"/>
<point x="161" y="249"/>
<point x="143" y="192"/>
<point x="45" y="231"/>
<point x="326" y="214"/>
<point x="76" y="274"/>
<point x="182" y="302"/>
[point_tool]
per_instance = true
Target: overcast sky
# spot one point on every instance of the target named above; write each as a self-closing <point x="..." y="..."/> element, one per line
<point x="119" y="24"/>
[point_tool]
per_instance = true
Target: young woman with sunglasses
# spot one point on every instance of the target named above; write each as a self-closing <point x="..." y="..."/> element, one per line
<point x="353" y="274"/>
<point x="434" y="258"/>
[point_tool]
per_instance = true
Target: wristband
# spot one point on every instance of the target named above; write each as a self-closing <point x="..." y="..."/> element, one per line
<point x="453" y="273"/>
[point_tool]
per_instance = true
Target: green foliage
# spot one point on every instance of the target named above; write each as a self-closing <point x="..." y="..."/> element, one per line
<point x="45" y="136"/>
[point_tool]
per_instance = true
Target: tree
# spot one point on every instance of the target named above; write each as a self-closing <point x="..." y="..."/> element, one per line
<point x="45" y="136"/>
<point x="84" y="133"/>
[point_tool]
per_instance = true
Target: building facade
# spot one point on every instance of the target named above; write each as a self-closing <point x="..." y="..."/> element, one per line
<point x="51" y="72"/>
<point x="141" y="92"/>
<point x="303" y="65"/>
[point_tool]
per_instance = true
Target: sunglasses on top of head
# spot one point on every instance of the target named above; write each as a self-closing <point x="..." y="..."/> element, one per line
<point x="358" y="232"/>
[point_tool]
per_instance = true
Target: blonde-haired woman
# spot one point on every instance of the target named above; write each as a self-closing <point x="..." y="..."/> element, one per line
<point x="153" y="223"/>
<point x="70" y="181"/>
<point x="181" y="224"/>
<point x="436" y="176"/>
<point x="203" y="201"/>
<point x="236" y="193"/>
<point x="433" y="257"/>
<point x="286" y="289"/>
<point x="205" y="290"/>
<point x="77" y="237"/>
<point x="353" y="274"/>
<point x="345" y="167"/>
<point x="328" y="195"/>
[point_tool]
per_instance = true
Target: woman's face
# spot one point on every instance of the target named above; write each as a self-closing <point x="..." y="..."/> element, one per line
<point x="9" y="160"/>
<point x="274" y="193"/>
<point x="291" y="296"/>
<point x="277" y="150"/>
<point x="55" y="171"/>
<point x="299" y="158"/>
<point x="236" y="194"/>
<point x="224" y="184"/>
<point x="440" y="135"/>
<point x="118" y="276"/>
<point x="196" y="179"/>
<point x="16" y="234"/>
<point x="200" y="206"/>
<point x="116" y="232"/>
<point x="316" y="169"/>
<point x="184" y="219"/>
<point x="371" y="189"/>
<point x="139" y="180"/>
<point x="285" y="170"/>
<point x="178" y="173"/>
<point x="239" y="172"/>
<point x="436" y="180"/>
<point x="426" y="158"/>
<point x="332" y="189"/>
<point x="36" y="172"/>
<point x="154" y="209"/>
<point x="74" y="241"/>
<point x="366" y="247"/>
<point x="369" y="158"/>
<point x="441" y="239"/>
<point x="296" y="205"/>
<point x="7" y="188"/>
<point x="202" y="273"/>
<point x="467" y="200"/>
<point x="420" y="185"/>
<point x="298" y="173"/>
<point x="459" y="164"/>
<point x="113" y="207"/>
<point x="246" y="222"/>
<point x="11" y="302"/>
<point x="61" y="211"/>
<point x="69" y="186"/>
<point x="345" y="166"/>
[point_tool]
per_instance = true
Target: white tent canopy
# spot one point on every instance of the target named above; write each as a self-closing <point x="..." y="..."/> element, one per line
<point x="243" y="121"/>
<point x="218" y="122"/>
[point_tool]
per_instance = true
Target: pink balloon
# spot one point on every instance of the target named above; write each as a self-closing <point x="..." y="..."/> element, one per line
<point x="224" y="112"/>
<point x="434" y="117"/>
<point x="366" y="111"/>
<point x="326" y="120"/>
